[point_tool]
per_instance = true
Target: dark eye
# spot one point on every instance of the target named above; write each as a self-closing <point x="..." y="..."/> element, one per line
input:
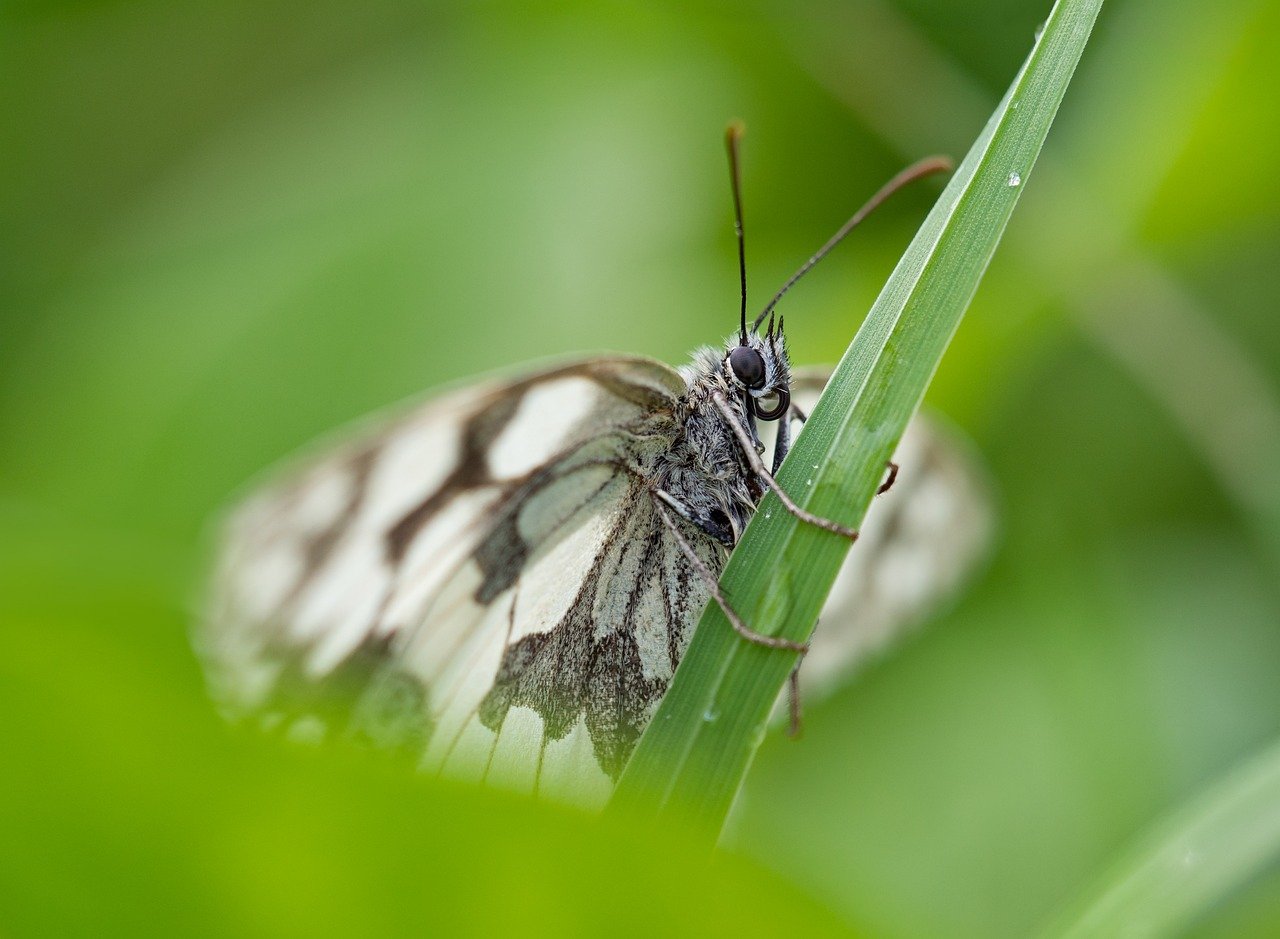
<point x="773" y="405"/>
<point x="748" y="366"/>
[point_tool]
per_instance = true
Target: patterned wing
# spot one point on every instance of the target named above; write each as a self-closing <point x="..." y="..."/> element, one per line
<point x="480" y="580"/>
<point x="918" y="543"/>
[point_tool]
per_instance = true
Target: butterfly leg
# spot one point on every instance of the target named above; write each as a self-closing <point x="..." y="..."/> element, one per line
<point x="888" y="483"/>
<point x="795" y="717"/>
<point x="721" y="531"/>
<point x="783" y="444"/>
<point x="741" y="628"/>
<point x="758" y="467"/>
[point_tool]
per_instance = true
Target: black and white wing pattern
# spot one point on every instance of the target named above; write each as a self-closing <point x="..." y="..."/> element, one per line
<point x="480" y="581"/>
<point x="484" y="583"/>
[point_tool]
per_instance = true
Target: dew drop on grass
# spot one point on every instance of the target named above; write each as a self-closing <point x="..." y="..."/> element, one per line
<point x="1015" y="180"/>
<point x="711" y="715"/>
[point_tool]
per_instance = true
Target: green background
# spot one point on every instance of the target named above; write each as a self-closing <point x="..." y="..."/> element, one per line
<point x="227" y="228"/>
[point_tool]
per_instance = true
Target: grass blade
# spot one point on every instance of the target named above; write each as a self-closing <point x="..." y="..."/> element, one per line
<point x="1217" y="844"/>
<point x="693" y="756"/>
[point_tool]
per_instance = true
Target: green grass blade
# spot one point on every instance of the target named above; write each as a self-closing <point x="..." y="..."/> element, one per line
<point x="693" y="756"/>
<point x="1187" y="864"/>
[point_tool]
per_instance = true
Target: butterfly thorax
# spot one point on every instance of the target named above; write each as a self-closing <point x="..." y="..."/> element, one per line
<point x="705" y="469"/>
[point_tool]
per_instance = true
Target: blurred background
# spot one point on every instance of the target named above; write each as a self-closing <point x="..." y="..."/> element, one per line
<point x="227" y="228"/>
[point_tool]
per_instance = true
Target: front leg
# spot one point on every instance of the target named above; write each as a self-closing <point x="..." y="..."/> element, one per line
<point x="716" y="524"/>
<point x="758" y="467"/>
<point x="713" y="587"/>
<point x="783" y="445"/>
<point x="888" y="483"/>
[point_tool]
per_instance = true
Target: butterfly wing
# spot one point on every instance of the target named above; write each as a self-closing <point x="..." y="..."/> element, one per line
<point x="917" y="544"/>
<point x="480" y="580"/>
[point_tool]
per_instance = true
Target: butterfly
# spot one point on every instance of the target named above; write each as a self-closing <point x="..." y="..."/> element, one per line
<point x="500" y="580"/>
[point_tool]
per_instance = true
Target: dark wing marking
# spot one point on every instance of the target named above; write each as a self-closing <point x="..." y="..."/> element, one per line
<point x="454" y="570"/>
<point x="587" y="638"/>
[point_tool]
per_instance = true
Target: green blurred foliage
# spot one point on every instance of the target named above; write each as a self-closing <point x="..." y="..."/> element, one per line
<point x="226" y="228"/>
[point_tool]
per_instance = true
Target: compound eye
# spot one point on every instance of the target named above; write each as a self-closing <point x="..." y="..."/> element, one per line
<point x="748" y="366"/>
<point x="772" y="406"/>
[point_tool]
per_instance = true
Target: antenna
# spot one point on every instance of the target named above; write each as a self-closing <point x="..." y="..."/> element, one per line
<point x="919" y="170"/>
<point x="731" y="137"/>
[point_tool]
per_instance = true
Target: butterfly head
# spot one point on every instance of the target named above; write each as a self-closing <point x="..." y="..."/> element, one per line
<point x="756" y="364"/>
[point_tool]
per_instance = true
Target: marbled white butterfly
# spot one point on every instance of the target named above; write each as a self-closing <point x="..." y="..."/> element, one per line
<point x="501" y="580"/>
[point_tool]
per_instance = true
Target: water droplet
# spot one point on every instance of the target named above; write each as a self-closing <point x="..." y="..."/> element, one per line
<point x="768" y="515"/>
<point x="711" y="715"/>
<point x="1015" y="180"/>
<point x="1040" y="30"/>
<point x="808" y="482"/>
<point x="815" y="465"/>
